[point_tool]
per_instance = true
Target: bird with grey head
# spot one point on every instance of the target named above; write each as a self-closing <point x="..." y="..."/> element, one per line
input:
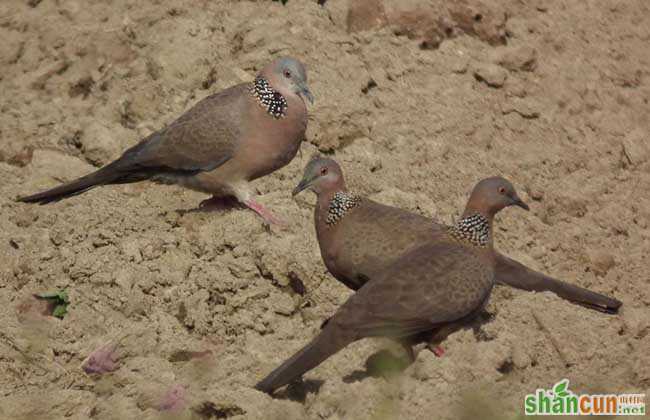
<point x="218" y="146"/>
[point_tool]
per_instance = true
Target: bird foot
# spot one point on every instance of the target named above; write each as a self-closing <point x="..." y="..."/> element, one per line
<point x="264" y="213"/>
<point x="437" y="350"/>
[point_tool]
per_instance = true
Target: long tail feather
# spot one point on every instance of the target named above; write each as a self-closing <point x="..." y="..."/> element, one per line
<point x="515" y="274"/>
<point x="327" y="343"/>
<point x="106" y="175"/>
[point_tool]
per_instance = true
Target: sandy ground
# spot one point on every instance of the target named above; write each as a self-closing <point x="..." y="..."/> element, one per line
<point x="196" y="307"/>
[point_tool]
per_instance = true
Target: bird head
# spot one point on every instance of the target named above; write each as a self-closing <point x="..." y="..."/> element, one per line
<point x="491" y="195"/>
<point x="321" y="175"/>
<point x="288" y="75"/>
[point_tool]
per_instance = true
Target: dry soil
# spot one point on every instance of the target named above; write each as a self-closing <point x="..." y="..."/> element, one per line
<point x="417" y="100"/>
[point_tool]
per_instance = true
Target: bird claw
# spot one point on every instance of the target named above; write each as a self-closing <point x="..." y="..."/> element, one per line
<point x="223" y="203"/>
<point x="437" y="350"/>
<point x="264" y="213"/>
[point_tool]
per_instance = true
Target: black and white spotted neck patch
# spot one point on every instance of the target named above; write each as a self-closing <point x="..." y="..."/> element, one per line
<point x="340" y="204"/>
<point x="474" y="229"/>
<point x="269" y="99"/>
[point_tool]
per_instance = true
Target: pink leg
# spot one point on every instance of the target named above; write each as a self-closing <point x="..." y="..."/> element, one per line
<point x="263" y="213"/>
<point x="437" y="350"/>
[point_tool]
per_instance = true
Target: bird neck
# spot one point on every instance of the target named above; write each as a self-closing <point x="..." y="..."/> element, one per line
<point x="336" y="204"/>
<point x="270" y="99"/>
<point x="474" y="228"/>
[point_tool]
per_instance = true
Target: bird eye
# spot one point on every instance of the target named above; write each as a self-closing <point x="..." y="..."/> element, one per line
<point x="502" y="190"/>
<point x="323" y="171"/>
<point x="287" y="74"/>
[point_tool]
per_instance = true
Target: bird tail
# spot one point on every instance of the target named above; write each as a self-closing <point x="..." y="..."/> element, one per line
<point x="327" y="343"/>
<point x="109" y="174"/>
<point x="515" y="274"/>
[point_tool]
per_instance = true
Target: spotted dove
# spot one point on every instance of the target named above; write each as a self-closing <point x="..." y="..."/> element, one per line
<point x="357" y="244"/>
<point x="432" y="289"/>
<point x="218" y="146"/>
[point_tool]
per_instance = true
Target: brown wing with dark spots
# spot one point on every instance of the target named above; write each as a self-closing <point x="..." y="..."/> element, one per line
<point x="370" y="237"/>
<point x="201" y="139"/>
<point x="432" y="285"/>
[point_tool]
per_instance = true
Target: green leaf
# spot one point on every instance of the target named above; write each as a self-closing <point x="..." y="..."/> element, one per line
<point x="59" y="301"/>
<point x="60" y="311"/>
<point x="53" y="295"/>
<point x="63" y="296"/>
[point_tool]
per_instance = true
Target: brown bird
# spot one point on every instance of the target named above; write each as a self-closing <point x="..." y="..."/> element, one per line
<point x="435" y="288"/>
<point x="221" y="144"/>
<point x="359" y="238"/>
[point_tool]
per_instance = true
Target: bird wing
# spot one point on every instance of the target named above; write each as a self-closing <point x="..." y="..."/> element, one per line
<point x="202" y="139"/>
<point x="431" y="285"/>
<point x="373" y="236"/>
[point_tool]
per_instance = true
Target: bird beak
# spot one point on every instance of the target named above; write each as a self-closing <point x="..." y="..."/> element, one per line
<point x="305" y="93"/>
<point x="304" y="184"/>
<point x="516" y="201"/>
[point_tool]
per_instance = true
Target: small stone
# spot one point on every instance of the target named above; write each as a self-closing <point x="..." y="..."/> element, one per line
<point x="477" y="19"/>
<point x="283" y="304"/>
<point x="517" y="88"/>
<point x="172" y="218"/>
<point x="146" y="284"/>
<point x="526" y="108"/>
<point x="426" y="366"/>
<point x="102" y="360"/>
<point x="56" y="237"/>
<point x="99" y="144"/>
<point x="99" y="279"/>
<point x="365" y="14"/>
<point x="309" y="314"/>
<point x="491" y="74"/>
<point x="636" y="322"/>
<point x="538" y="253"/>
<point x="517" y="27"/>
<point x="635" y="148"/>
<point x="47" y="255"/>
<point x="123" y="279"/>
<point x="520" y="358"/>
<point x="459" y="65"/>
<point x="25" y="218"/>
<point x="11" y="49"/>
<point x="102" y="238"/>
<point x="174" y="399"/>
<point x="542" y="6"/>
<point x="131" y="251"/>
<point x="601" y="262"/>
<point x="22" y="158"/>
<point x="521" y="58"/>
<point x="535" y="194"/>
